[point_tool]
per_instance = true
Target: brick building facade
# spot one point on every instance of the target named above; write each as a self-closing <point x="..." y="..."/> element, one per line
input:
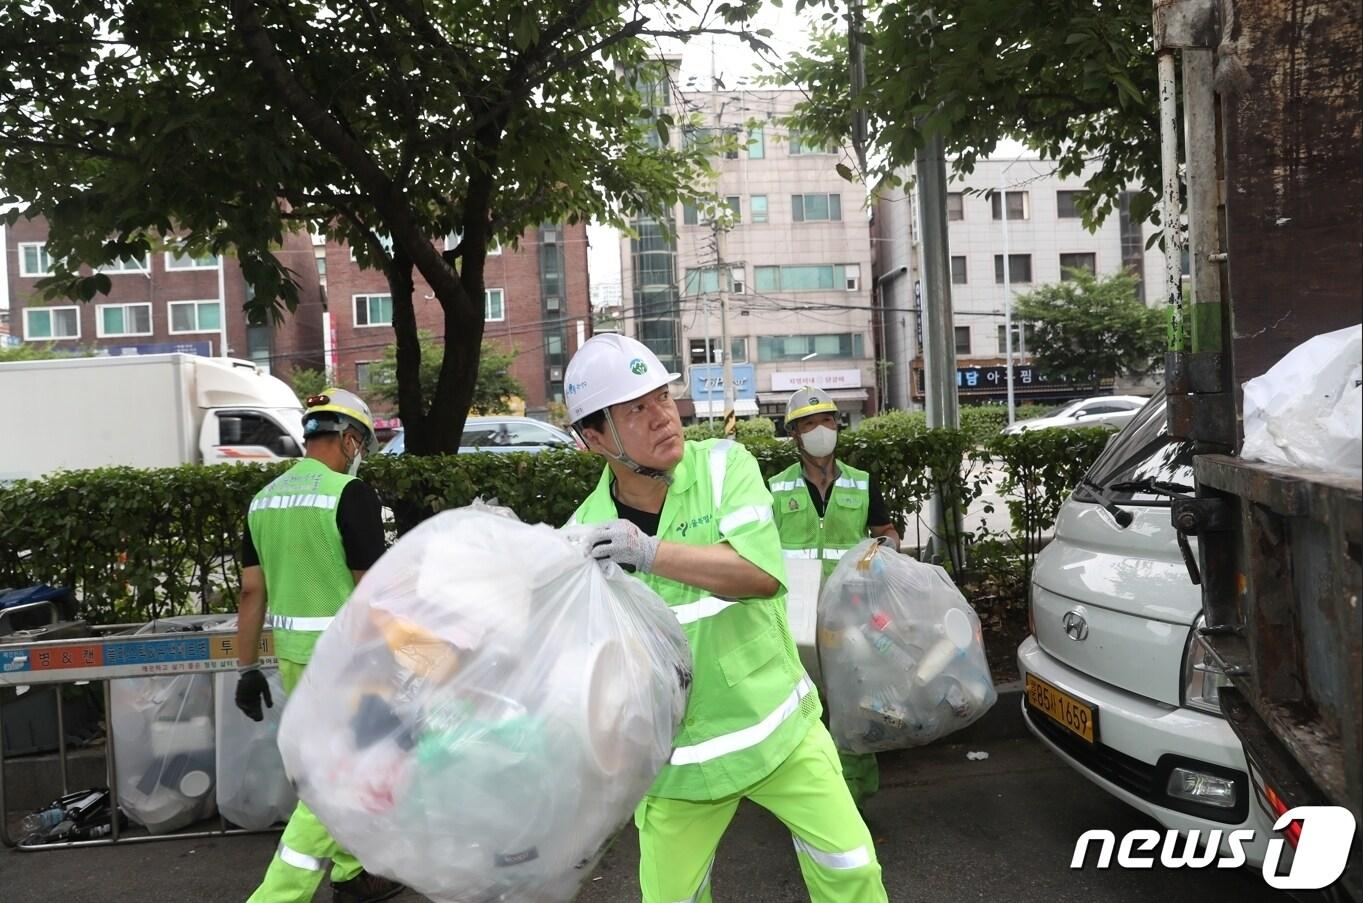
<point x="164" y="303"/>
<point x="537" y="304"/>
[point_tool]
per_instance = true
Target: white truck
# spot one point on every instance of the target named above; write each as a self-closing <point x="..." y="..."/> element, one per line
<point x="159" y="410"/>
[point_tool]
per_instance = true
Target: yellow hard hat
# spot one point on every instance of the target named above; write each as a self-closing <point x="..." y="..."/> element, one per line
<point x="808" y="400"/>
<point x="349" y="410"/>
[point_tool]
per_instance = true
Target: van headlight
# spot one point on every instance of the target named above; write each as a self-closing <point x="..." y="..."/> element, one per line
<point x="1202" y="676"/>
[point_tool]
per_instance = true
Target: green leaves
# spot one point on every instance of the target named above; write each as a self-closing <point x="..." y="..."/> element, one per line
<point x="491" y="394"/>
<point x="1088" y="328"/>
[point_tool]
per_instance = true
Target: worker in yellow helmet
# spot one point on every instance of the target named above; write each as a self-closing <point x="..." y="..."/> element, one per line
<point x="310" y="536"/>
<point x="824" y="507"/>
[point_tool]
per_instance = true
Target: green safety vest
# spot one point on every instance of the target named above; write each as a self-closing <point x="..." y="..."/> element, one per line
<point x="307" y="580"/>
<point x="750" y="701"/>
<point x="806" y="535"/>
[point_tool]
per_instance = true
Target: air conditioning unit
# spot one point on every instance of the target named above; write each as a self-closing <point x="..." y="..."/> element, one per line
<point x="550" y="237"/>
<point x="555" y="374"/>
<point x="551" y="302"/>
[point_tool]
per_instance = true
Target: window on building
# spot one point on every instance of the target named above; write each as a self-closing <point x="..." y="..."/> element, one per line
<point x="1066" y="204"/>
<point x="494" y="304"/>
<point x="808" y="208"/>
<point x="799" y="347"/>
<point x="962" y="339"/>
<point x="122" y="320"/>
<point x="955" y="206"/>
<point x="1132" y="242"/>
<point x="553" y="348"/>
<point x="322" y="267"/>
<point x="958" y="271"/>
<point x="1019" y="268"/>
<point x="195" y="316"/>
<point x="1068" y="262"/>
<point x="178" y="261"/>
<point x="738" y="348"/>
<point x="757" y="143"/>
<point x="803" y="145"/>
<point x="735" y="204"/>
<point x="52" y="322"/>
<point x="1018" y="208"/>
<point x="690" y="215"/>
<point x="757" y="206"/>
<point x="702" y="281"/>
<point x="34" y="259"/>
<point x="364" y="374"/>
<point x="126" y="265"/>
<point x="373" y="310"/>
<point x="259" y="340"/>
<point x="1017" y="338"/>
<point x="804" y="278"/>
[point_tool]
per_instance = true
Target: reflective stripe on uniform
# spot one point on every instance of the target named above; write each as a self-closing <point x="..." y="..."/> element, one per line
<point x="298" y="860"/>
<point x="744" y="516"/>
<point x="719" y="463"/>
<point x="849" y="483"/>
<point x="288" y="622"/>
<point x="851" y="859"/>
<point x="707" y="607"/>
<point x="787" y="485"/>
<point x="800" y="553"/>
<point x="747" y="737"/>
<point x="704" y="883"/>
<point x="310" y="500"/>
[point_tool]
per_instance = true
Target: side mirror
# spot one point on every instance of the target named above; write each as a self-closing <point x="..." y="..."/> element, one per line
<point x="286" y="447"/>
<point x="229" y="430"/>
<point x="1077" y="414"/>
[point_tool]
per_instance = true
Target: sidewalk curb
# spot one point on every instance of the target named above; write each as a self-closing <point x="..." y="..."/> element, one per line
<point x="34" y="781"/>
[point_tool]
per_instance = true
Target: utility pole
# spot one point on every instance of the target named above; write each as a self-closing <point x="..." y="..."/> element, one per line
<point x="730" y="418"/>
<point x="709" y="360"/>
<point x="1007" y="301"/>
<point x="939" y="351"/>
<point x="856" y="53"/>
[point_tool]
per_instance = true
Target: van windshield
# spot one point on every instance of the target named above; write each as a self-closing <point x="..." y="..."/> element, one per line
<point x="1143" y="454"/>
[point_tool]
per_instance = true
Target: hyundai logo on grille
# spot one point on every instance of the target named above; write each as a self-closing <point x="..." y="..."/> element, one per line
<point x="1076" y="628"/>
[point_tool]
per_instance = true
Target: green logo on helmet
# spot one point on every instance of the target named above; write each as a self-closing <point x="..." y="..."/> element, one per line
<point x="638" y="367"/>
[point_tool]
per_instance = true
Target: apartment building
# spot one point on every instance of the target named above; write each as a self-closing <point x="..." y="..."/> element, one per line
<point x="536" y="304"/>
<point x="788" y="243"/>
<point x="1046" y="239"/>
<point x="166" y="301"/>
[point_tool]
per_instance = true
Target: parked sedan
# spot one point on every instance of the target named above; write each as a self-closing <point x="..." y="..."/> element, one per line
<point x="1111" y="411"/>
<point x="501" y="434"/>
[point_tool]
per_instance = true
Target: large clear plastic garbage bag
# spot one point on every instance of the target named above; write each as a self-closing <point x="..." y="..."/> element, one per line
<point x="253" y="789"/>
<point x="901" y="652"/>
<point x="1307" y="410"/>
<point x="163" y="739"/>
<point x="487" y="710"/>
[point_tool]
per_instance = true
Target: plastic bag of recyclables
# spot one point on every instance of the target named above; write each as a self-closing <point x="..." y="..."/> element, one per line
<point x="487" y="710"/>
<point x="164" y="738"/>
<point x="901" y="652"/>
<point x="1307" y="410"/>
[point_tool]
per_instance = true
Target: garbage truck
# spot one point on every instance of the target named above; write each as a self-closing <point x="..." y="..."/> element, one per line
<point x="156" y="410"/>
<point x="1263" y="97"/>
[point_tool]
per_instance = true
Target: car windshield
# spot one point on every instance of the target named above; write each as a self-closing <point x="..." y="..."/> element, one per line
<point x="1142" y="463"/>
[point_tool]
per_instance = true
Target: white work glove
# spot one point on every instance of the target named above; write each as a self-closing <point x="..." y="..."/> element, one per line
<point x="623" y="543"/>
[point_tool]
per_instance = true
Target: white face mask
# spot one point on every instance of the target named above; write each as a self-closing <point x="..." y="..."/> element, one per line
<point x="354" y="466"/>
<point x="820" y="441"/>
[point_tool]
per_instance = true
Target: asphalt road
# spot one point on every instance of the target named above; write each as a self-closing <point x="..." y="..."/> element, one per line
<point x="946" y="829"/>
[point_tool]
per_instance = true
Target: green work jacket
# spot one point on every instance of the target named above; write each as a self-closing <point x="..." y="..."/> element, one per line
<point x="751" y="702"/>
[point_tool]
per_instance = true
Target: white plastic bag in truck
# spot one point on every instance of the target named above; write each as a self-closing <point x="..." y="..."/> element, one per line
<point x="1307" y="410"/>
<point x="487" y="710"/>
<point x="901" y="652"/>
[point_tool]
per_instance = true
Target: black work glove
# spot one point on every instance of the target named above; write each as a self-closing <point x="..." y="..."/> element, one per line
<point x="251" y="688"/>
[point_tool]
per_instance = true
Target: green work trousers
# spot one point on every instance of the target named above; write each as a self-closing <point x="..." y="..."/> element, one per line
<point x="301" y="859"/>
<point x="862" y="774"/>
<point x="678" y="838"/>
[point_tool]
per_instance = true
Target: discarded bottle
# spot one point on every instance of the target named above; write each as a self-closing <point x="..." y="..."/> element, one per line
<point x="884" y="643"/>
<point x="41" y="822"/>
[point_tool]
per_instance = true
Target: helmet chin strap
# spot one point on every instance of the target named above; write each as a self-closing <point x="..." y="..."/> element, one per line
<point x="627" y="461"/>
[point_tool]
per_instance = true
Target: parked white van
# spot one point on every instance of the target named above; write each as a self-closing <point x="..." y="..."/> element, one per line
<point x="1114" y="669"/>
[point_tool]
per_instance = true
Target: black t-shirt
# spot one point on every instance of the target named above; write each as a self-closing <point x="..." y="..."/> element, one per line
<point x="359" y="517"/>
<point x="877" y="513"/>
<point x="645" y="520"/>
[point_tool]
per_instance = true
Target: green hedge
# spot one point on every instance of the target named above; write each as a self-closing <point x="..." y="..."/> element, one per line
<point x="137" y="544"/>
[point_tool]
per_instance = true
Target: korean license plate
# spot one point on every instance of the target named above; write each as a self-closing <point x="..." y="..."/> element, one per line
<point x="1080" y="718"/>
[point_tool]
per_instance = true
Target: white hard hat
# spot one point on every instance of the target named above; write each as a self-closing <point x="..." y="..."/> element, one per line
<point x="609" y="369"/>
<point x="809" y="400"/>
<point x="334" y="411"/>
